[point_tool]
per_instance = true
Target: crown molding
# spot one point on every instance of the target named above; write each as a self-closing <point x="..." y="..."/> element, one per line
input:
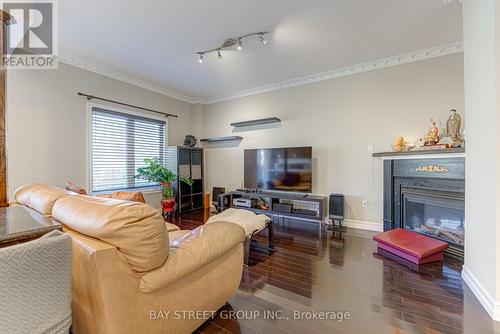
<point x="107" y="72"/>
<point x="439" y="51"/>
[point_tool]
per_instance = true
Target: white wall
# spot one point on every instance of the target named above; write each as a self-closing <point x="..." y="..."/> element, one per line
<point x="47" y="136"/>
<point x="46" y="122"/>
<point x="339" y="118"/>
<point x="482" y="197"/>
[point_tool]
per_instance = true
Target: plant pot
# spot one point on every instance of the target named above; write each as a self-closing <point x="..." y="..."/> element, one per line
<point x="167" y="208"/>
<point x="168" y="204"/>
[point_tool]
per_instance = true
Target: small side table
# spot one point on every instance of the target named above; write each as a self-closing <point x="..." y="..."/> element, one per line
<point x="20" y="224"/>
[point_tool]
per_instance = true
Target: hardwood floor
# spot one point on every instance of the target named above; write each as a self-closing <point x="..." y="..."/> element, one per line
<point x="341" y="272"/>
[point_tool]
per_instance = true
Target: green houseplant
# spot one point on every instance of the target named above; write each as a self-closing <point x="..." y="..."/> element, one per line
<point x="153" y="171"/>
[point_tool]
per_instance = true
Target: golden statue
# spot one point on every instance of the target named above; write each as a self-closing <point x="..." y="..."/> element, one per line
<point x="399" y="144"/>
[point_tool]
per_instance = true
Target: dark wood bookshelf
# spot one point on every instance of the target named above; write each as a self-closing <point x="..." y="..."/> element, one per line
<point x="188" y="162"/>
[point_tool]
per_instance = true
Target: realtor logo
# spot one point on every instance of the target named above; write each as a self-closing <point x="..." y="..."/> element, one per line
<point x="30" y="40"/>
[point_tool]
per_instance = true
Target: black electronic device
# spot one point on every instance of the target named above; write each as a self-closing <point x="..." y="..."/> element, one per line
<point x="306" y="212"/>
<point x="336" y="210"/>
<point x="336" y="206"/>
<point x="281" y="169"/>
<point x="282" y="207"/>
<point x="216" y="198"/>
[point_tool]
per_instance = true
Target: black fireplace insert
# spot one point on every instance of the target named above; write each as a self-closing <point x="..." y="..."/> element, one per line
<point x="435" y="213"/>
<point x="427" y="196"/>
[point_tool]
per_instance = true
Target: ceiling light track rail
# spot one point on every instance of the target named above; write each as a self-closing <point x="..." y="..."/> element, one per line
<point x="231" y="42"/>
<point x="92" y="97"/>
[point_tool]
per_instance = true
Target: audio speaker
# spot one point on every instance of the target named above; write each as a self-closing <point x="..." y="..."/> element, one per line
<point x="336" y="207"/>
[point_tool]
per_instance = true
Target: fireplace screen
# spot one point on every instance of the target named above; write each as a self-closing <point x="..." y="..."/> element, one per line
<point x="435" y="213"/>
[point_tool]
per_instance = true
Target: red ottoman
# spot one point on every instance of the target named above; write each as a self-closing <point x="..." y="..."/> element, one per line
<point x="411" y="246"/>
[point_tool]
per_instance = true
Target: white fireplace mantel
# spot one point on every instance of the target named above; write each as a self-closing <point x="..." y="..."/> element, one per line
<point x="422" y="154"/>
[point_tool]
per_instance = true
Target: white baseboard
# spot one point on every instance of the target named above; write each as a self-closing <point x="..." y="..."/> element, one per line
<point x="489" y="303"/>
<point x="364" y="225"/>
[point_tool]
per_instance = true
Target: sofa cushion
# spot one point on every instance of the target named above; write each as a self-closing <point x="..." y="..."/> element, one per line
<point x="75" y="188"/>
<point x="136" y="229"/>
<point x="23" y="193"/>
<point x="191" y="251"/>
<point x="134" y="196"/>
<point x="250" y="221"/>
<point x="39" y="196"/>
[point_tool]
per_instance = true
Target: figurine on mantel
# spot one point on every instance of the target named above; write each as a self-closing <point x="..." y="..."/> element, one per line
<point x="432" y="137"/>
<point x="453" y="129"/>
<point x="451" y="137"/>
<point x="399" y="144"/>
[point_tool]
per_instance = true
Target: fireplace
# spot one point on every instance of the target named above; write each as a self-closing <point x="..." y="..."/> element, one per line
<point x="438" y="214"/>
<point x="427" y="196"/>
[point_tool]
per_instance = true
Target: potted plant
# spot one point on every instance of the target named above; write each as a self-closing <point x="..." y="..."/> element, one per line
<point x="153" y="171"/>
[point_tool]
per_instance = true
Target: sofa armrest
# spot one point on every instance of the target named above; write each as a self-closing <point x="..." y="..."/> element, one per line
<point x="191" y="252"/>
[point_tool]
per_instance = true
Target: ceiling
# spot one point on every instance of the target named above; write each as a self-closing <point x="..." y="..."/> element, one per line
<point x="156" y="40"/>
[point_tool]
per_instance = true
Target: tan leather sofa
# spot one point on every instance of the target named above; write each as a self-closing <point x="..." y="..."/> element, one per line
<point x="130" y="275"/>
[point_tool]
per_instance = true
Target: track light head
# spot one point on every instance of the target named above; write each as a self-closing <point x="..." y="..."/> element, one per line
<point x="200" y="60"/>
<point x="262" y="39"/>
<point x="239" y="47"/>
<point x="219" y="54"/>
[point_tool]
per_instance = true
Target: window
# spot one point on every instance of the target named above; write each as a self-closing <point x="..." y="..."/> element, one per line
<point x="119" y="144"/>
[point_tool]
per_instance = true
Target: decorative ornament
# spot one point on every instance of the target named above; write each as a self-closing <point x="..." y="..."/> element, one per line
<point x="453" y="126"/>
<point x="190" y="141"/>
<point x="432" y="169"/>
<point x="432" y="137"/>
<point x="399" y="144"/>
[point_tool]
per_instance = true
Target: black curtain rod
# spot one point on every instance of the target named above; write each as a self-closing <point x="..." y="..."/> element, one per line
<point x="92" y="97"/>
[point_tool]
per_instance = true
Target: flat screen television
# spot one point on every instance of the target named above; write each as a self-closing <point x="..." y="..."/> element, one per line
<point x="280" y="169"/>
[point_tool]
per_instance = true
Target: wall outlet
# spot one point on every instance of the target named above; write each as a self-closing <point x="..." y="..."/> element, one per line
<point x="364" y="204"/>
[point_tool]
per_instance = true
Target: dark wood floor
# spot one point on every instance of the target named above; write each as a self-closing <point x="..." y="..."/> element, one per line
<point x="341" y="272"/>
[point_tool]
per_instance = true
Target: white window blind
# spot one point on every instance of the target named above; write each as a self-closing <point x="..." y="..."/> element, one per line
<point x="119" y="144"/>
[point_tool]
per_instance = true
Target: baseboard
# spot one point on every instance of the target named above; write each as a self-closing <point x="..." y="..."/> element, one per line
<point x="364" y="225"/>
<point x="489" y="303"/>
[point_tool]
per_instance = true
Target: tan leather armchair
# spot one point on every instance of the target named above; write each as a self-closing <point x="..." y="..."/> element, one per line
<point x="130" y="275"/>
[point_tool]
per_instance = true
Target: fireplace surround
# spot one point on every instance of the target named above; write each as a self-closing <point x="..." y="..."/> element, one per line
<point x="426" y="195"/>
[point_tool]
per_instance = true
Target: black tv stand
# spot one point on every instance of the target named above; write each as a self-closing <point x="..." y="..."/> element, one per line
<point x="305" y="207"/>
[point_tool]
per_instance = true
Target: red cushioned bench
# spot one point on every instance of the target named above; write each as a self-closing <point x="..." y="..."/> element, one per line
<point x="411" y="246"/>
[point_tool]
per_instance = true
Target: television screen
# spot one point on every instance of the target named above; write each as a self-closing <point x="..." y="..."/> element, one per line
<point x="284" y="169"/>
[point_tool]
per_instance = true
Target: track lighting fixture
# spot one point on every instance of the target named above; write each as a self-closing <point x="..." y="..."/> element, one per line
<point x="231" y="42"/>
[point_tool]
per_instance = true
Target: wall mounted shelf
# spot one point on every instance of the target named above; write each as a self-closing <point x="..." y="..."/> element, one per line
<point x="221" y="139"/>
<point x="256" y="122"/>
